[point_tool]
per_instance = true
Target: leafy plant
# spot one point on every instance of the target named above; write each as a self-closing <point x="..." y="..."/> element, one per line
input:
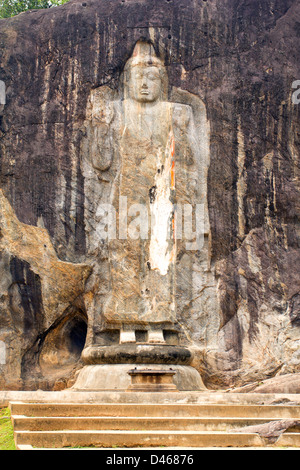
<point x="6" y="431"/>
<point x="9" y="8"/>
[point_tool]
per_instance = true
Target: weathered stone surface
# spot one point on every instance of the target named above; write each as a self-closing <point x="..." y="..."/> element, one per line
<point x="137" y="354"/>
<point x="241" y="314"/>
<point x="115" y="377"/>
<point x="273" y="430"/>
<point x="40" y="304"/>
<point x="287" y="383"/>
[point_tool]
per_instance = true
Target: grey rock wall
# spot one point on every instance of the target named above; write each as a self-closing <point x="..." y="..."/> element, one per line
<point x="240" y="59"/>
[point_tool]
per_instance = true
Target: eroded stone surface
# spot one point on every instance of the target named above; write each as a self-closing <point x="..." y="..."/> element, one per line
<point x="39" y="294"/>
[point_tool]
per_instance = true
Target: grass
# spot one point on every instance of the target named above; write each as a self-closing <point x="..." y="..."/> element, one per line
<point x="6" y="431"/>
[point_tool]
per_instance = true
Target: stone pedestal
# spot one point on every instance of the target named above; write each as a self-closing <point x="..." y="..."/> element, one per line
<point x="135" y="353"/>
<point x="115" y="377"/>
<point x="108" y="367"/>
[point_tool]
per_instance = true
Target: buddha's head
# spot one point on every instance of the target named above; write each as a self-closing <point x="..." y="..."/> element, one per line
<point x="144" y="75"/>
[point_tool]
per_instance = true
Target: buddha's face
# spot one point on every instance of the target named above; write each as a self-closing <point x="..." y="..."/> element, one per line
<point x="145" y="83"/>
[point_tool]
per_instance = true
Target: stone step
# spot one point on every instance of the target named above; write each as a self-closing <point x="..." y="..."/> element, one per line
<point x="212" y="397"/>
<point x="115" y="439"/>
<point x="26" y="423"/>
<point x="141" y="425"/>
<point x="152" y="449"/>
<point x="154" y="410"/>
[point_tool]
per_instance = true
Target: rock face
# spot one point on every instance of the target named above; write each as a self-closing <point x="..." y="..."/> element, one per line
<point x="240" y="312"/>
<point x="40" y="310"/>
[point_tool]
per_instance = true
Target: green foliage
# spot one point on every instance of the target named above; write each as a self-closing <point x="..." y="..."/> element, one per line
<point x="10" y="8"/>
<point x="6" y="431"/>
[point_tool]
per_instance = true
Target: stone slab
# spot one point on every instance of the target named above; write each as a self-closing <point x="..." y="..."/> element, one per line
<point x="92" y="423"/>
<point x="137" y="438"/>
<point x="71" y="396"/>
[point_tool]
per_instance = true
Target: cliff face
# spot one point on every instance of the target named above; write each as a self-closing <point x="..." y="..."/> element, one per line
<point x="240" y="58"/>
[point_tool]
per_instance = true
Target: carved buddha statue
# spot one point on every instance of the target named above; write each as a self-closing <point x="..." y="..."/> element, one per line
<point x="146" y="147"/>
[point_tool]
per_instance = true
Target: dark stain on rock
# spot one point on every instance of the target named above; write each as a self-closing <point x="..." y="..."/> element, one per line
<point x="152" y="194"/>
<point x="30" y="294"/>
<point x="294" y="310"/>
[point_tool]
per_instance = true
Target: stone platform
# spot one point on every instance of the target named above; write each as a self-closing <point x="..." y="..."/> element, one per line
<point x="68" y="420"/>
